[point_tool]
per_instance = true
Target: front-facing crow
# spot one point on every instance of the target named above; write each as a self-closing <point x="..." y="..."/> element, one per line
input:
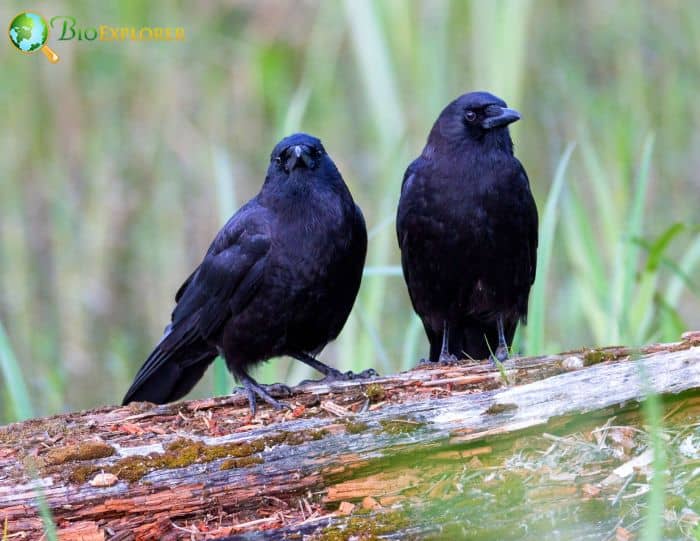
<point x="467" y="229"/>
<point x="280" y="278"/>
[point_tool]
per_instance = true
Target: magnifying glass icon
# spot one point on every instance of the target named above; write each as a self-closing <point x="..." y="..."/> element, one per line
<point x="29" y="33"/>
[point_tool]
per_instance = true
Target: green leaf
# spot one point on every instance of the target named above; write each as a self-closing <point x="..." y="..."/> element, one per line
<point x="534" y="333"/>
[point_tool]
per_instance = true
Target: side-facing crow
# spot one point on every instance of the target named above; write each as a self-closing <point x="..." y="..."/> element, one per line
<point x="280" y="278"/>
<point x="467" y="229"/>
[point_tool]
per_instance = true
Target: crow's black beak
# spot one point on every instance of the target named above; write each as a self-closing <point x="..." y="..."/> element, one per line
<point x="299" y="156"/>
<point x="499" y="116"/>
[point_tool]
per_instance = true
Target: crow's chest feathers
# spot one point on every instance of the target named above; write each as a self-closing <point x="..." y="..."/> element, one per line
<point x="311" y="232"/>
<point x="314" y="217"/>
<point x="469" y="188"/>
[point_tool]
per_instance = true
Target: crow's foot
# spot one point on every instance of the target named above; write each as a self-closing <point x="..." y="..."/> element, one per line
<point x="337" y="375"/>
<point x="252" y="388"/>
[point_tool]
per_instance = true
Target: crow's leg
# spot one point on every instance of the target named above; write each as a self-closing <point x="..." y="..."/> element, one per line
<point x="326" y="370"/>
<point x="251" y="388"/>
<point x="445" y="356"/>
<point x="502" y="349"/>
<point x="330" y="374"/>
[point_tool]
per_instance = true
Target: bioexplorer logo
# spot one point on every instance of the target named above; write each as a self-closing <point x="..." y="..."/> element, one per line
<point x="29" y="33"/>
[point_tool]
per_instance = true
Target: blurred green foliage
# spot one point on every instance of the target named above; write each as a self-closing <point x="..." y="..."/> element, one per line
<point x="121" y="162"/>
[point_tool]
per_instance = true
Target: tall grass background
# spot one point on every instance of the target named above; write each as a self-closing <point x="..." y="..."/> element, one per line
<point x="120" y="163"/>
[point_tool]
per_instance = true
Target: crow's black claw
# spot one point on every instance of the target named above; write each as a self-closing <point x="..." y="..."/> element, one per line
<point x="444" y="360"/>
<point x="501" y="353"/>
<point x="367" y="374"/>
<point x="447" y="359"/>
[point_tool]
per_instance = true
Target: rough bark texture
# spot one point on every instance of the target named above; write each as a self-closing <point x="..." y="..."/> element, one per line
<point x="347" y="459"/>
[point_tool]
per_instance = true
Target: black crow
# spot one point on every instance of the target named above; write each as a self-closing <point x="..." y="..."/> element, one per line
<point x="467" y="229"/>
<point x="280" y="278"/>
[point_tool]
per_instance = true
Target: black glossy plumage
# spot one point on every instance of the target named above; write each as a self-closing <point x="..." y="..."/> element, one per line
<point x="467" y="229"/>
<point x="280" y="278"/>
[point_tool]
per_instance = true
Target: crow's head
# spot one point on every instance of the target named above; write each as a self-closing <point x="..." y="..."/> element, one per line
<point x="476" y="115"/>
<point x="298" y="151"/>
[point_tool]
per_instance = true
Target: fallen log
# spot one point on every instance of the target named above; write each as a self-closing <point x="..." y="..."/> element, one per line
<point x="457" y="451"/>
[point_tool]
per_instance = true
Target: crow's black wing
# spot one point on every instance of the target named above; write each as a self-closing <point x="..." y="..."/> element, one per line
<point x="225" y="280"/>
<point x="530" y="224"/>
<point x="184" y="285"/>
<point x="220" y="287"/>
<point x="527" y="223"/>
<point x="533" y="224"/>
<point x="404" y="205"/>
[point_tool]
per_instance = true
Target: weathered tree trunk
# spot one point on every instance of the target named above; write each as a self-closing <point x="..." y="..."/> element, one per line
<point x="429" y="452"/>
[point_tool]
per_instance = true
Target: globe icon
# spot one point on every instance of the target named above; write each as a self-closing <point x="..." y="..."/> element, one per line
<point x="29" y="32"/>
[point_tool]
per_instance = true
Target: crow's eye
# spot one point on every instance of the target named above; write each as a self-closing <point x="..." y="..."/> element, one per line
<point x="470" y="116"/>
<point x="278" y="159"/>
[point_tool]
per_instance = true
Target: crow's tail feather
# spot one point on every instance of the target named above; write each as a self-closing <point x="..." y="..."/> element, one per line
<point x="170" y="373"/>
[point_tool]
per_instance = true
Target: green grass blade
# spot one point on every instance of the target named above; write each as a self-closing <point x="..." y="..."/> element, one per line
<point x="653" y="412"/>
<point x="636" y="214"/>
<point x="296" y="111"/>
<point x="385" y="364"/>
<point x="411" y="339"/>
<point x="46" y="516"/>
<point x="590" y="281"/>
<point x="534" y="333"/>
<point x="44" y="511"/>
<point x="671" y="323"/>
<point x="375" y="70"/>
<point x="687" y="265"/>
<point x="678" y="272"/>
<point x="383" y="270"/>
<point x="603" y="189"/>
<point x="627" y="267"/>
<point x="434" y="53"/>
<point x="641" y="309"/>
<point x="658" y="248"/>
<point x="373" y="58"/>
<point x="17" y="391"/>
<point x="379" y="228"/>
<point x="499" y="41"/>
<point x="226" y="198"/>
